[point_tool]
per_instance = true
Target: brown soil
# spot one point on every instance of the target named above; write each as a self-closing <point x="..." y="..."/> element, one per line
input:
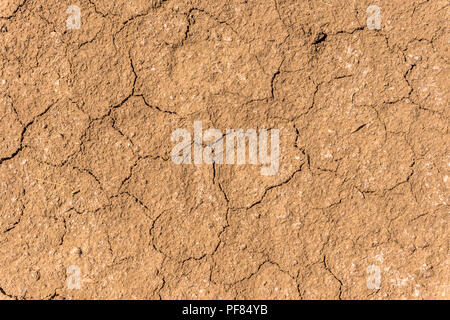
<point x="86" y="177"/>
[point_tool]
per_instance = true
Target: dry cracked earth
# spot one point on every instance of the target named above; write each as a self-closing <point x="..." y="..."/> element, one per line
<point x="359" y="207"/>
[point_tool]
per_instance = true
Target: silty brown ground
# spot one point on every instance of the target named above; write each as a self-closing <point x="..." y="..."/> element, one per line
<point x="86" y="177"/>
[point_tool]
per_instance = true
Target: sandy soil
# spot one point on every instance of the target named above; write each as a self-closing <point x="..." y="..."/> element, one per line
<point x="92" y="205"/>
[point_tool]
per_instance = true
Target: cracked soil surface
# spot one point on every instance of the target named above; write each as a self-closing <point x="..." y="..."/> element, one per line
<point x="86" y="177"/>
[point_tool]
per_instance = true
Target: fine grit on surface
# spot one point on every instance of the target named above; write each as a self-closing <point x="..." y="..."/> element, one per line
<point x="94" y="205"/>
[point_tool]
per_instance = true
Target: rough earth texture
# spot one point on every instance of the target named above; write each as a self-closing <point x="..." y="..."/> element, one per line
<point x="86" y="177"/>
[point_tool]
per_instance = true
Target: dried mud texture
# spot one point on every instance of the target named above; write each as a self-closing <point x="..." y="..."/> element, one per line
<point x="86" y="177"/>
